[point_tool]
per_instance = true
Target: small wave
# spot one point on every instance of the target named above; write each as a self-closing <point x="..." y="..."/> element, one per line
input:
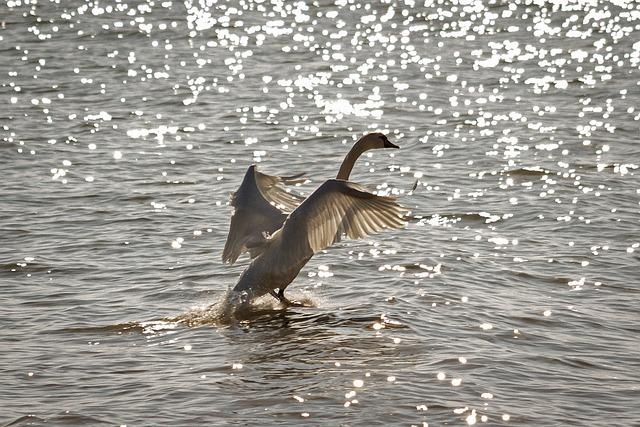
<point x="30" y="420"/>
<point x="485" y="217"/>
<point x="116" y="328"/>
<point x="25" y="266"/>
<point x="534" y="171"/>
<point x="67" y="419"/>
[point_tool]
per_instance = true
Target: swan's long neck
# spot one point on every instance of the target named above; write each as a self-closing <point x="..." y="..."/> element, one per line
<point x="350" y="160"/>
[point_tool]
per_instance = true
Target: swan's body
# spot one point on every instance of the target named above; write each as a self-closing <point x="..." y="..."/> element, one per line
<point x="337" y="207"/>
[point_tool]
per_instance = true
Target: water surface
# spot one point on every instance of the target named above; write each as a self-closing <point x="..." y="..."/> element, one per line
<point x="125" y="125"/>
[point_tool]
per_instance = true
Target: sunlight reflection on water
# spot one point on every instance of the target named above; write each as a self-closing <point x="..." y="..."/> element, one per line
<point x="510" y="300"/>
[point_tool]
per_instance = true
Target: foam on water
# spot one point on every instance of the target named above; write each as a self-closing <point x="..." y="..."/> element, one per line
<point x="229" y="309"/>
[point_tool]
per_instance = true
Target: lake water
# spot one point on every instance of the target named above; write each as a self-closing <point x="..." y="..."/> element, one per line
<point x="124" y="126"/>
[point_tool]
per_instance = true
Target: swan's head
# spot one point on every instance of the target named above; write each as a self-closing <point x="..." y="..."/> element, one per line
<point x="375" y="140"/>
<point x="370" y="141"/>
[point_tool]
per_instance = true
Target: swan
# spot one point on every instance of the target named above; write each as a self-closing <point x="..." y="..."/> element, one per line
<point x="335" y="208"/>
<point x="261" y="203"/>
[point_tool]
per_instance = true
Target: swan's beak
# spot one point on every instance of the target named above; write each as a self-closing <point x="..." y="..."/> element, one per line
<point x="389" y="144"/>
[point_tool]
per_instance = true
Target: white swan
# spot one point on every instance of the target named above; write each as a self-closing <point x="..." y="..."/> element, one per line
<point x="261" y="204"/>
<point x="337" y="207"/>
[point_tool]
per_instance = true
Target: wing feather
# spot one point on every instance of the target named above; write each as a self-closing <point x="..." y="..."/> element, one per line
<point x="271" y="189"/>
<point x="261" y="205"/>
<point x="336" y="208"/>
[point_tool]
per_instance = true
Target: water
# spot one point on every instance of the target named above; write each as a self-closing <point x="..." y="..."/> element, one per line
<point x="126" y="124"/>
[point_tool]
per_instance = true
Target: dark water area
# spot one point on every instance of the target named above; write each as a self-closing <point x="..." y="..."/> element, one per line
<point x="124" y="126"/>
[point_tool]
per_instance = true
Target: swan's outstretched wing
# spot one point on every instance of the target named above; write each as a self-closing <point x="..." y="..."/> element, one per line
<point x="261" y="206"/>
<point x="335" y="209"/>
